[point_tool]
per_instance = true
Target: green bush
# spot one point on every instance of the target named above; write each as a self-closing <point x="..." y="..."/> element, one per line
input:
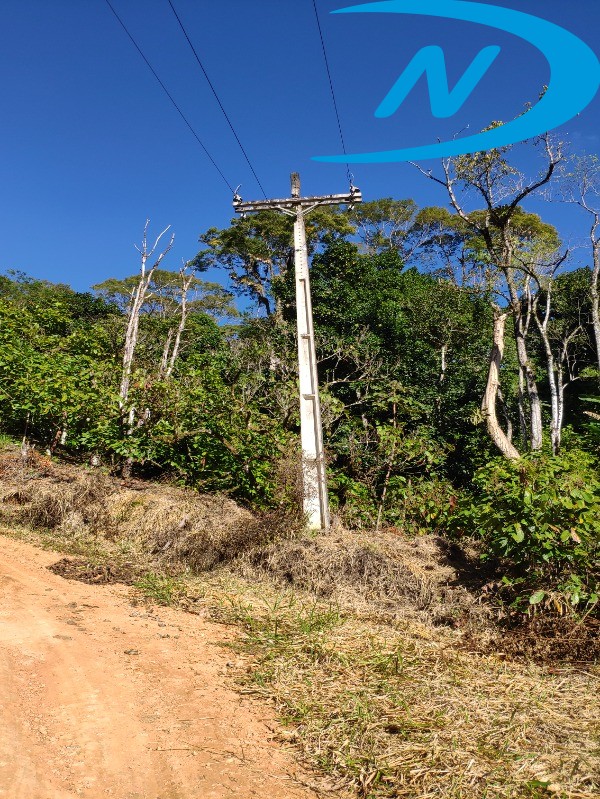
<point x="420" y="505"/>
<point x="541" y="516"/>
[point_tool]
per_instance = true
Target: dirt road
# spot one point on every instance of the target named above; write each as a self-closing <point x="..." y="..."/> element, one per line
<point x="99" y="698"/>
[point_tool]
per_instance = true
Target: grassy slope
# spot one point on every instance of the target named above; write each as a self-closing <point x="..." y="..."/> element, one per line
<point x="359" y="641"/>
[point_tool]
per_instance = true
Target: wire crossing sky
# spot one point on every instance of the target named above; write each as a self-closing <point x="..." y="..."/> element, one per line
<point x="330" y="81"/>
<point x="217" y="98"/>
<point x="92" y="144"/>
<point x="169" y="95"/>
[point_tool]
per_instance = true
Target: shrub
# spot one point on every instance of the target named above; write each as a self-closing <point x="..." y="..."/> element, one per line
<point x="541" y="516"/>
<point x="420" y="505"/>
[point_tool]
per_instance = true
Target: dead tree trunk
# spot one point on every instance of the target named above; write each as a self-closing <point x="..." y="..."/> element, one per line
<point x="131" y="334"/>
<point x="443" y="363"/>
<point x="169" y="355"/>
<point x="164" y="361"/>
<point x="186" y="282"/>
<point x="133" y="320"/>
<point x="594" y="284"/>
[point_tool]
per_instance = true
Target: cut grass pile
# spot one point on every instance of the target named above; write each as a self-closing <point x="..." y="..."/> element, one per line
<point x="171" y="527"/>
<point x="389" y="674"/>
<point x="381" y="576"/>
<point x="399" y="711"/>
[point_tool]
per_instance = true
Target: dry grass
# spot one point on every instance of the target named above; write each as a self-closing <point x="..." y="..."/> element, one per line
<point x="72" y="504"/>
<point x="400" y="711"/>
<point x="383" y="577"/>
<point x="364" y="643"/>
<point x="173" y="528"/>
<point x="179" y="527"/>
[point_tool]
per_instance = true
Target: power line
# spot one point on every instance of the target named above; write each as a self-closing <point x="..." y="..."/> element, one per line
<point x="214" y="91"/>
<point x="335" y="106"/>
<point x="169" y="95"/>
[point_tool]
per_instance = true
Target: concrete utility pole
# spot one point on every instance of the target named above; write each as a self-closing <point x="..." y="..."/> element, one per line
<point x="316" y="504"/>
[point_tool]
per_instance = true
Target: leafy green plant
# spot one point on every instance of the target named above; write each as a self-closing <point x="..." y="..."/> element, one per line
<point x="541" y="516"/>
<point x="420" y="506"/>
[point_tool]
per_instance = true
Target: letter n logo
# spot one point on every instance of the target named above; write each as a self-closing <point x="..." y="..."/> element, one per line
<point x="431" y="61"/>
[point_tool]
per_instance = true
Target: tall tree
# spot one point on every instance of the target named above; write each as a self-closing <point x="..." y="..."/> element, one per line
<point x="136" y="302"/>
<point x="258" y="251"/>
<point x="506" y="238"/>
<point x="583" y="188"/>
<point x="386" y="224"/>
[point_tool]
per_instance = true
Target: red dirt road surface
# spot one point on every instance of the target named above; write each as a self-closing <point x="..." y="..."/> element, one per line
<point x="99" y="698"/>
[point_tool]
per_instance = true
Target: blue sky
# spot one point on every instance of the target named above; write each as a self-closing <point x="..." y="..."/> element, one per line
<point x="90" y="146"/>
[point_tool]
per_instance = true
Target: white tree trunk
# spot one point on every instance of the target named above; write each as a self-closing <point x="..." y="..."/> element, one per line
<point x="131" y="334"/>
<point x="133" y="321"/>
<point x="164" y="361"/>
<point x="443" y="364"/>
<point x="488" y="405"/>
<point x="520" y="332"/>
<point x="186" y="282"/>
<point x="594" y="290"/>
<point x="556" y="396"/>
<point x="556" y="387"/>
<point x="560" y="403"/>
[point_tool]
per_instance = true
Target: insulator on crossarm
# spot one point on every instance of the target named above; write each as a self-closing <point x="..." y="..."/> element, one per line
<point x="237" y="200"/>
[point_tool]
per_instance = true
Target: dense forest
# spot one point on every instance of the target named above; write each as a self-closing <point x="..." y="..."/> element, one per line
<point x="458" y="353"/>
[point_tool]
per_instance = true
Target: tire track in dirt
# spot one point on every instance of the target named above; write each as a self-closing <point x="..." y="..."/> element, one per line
<point x="98" y="698"/>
